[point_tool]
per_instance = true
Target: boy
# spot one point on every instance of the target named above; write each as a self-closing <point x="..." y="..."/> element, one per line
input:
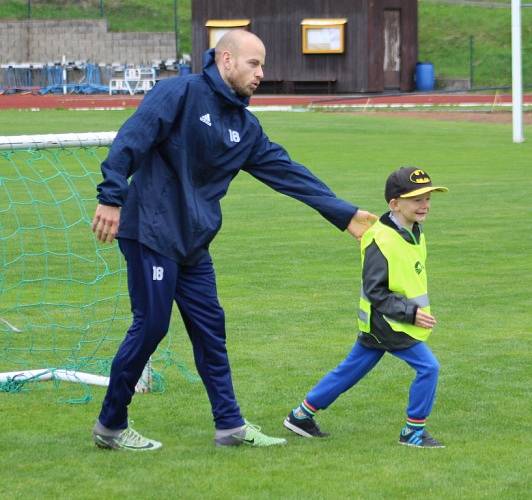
<point x="394" y="312"/>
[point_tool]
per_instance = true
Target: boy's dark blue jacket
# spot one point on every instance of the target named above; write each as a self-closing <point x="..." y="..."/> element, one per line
<point x="186" y="142"/>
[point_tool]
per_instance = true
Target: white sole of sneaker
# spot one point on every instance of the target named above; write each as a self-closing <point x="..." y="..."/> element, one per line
<point x="418" y="446"/>
<point x="296" y="429"/>
<point x="103" y="444"/>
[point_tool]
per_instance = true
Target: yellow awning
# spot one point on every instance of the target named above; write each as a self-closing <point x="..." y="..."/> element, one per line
<point x="227" y="23"/>
<point x="323" y="22"/>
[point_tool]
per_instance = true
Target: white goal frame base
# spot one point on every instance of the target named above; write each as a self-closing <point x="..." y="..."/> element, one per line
<point x="44" y="374"/>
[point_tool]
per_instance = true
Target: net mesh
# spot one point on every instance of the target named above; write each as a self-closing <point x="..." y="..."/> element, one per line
<point x="63" y="296"/>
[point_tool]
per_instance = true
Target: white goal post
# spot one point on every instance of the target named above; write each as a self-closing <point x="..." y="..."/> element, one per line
<point x="517" y="74"/>
<point x="47" y="141"/>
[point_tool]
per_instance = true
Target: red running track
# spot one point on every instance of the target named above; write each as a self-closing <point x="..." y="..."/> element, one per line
<point x="100" y="101"/>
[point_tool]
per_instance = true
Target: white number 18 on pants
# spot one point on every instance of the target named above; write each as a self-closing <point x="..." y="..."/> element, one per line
<point x="158" y="273"/>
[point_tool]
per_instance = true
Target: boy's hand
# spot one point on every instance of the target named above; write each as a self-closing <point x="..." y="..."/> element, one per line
<point x="360" y="223"/>
<point x="424" y="320"/>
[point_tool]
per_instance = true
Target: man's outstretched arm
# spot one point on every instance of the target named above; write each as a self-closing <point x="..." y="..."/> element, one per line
<point x="271" y="164"/>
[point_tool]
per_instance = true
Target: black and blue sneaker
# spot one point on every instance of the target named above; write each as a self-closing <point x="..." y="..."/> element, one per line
<point x="418" y="438"/>
<point x="306" y="427"/>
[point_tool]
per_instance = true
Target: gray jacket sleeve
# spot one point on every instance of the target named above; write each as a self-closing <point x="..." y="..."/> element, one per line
<point x="375" y="279"/>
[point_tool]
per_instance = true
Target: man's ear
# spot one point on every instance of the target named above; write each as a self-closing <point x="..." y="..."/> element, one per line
<point x="226" y="59"/>
<point x="393" y="204"/>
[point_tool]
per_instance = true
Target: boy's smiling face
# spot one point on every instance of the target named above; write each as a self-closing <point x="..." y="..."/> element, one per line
<point x="410" y="210"/>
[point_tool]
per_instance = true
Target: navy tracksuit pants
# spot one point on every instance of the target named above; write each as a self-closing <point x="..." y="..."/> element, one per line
<point x="154" y="282"/>
<point x="361" y="360"/>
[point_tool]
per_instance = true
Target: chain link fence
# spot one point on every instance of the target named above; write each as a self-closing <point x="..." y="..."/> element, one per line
<point x="466" y="63"/>
<point x="97" y="40"/>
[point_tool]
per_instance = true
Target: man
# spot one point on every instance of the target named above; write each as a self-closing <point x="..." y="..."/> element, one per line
<point x="183" y="146"/>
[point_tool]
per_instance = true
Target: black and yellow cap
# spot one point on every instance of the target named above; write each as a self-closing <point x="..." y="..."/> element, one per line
<point x="407" y="182"/>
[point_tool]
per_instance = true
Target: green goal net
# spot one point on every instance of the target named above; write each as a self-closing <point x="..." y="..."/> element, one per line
<point x="64" y="306"/>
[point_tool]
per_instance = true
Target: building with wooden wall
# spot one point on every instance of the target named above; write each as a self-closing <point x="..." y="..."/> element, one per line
<point x="355" y="45"/>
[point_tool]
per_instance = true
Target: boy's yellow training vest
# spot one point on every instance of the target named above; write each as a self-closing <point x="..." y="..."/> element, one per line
<point x="406" y="276"/>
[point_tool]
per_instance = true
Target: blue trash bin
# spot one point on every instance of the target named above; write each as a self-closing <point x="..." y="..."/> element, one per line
<point x="185" y="69"/>
<point x="424" y="76"/>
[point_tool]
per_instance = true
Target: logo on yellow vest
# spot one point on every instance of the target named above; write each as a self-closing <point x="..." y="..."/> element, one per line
<point x="419" y="177"/>
<point x="418" y="267"/>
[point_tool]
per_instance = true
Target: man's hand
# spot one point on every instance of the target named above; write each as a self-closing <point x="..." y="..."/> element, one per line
<point x="360" y="223"/>
<point x="424" y="320"/>
<point x="105" y="223"/>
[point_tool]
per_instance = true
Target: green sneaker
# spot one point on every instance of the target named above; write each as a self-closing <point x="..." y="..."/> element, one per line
<point x="128" y="439"/>
<point x="250" y="435"/>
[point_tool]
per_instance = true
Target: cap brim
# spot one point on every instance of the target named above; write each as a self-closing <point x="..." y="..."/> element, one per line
<point x="424" y="190"/>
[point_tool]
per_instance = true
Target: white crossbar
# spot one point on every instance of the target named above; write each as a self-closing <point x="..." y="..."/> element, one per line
<point x="56" y="140"/>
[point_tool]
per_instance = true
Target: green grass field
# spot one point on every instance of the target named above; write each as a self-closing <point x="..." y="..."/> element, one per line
<point x="289" y="284"/>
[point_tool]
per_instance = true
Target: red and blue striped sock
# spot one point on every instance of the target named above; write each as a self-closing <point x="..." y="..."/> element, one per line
<point x="415" y="424"/>
<point x="305" y="410"/>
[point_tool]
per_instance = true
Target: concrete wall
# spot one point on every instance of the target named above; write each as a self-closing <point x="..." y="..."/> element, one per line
<point x="83" y="40"/>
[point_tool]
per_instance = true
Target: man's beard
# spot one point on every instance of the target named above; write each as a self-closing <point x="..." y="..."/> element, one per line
<point x="240" y="90"/>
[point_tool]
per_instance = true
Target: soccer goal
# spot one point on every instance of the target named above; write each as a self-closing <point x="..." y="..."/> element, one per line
<point x="64" y="306"/>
